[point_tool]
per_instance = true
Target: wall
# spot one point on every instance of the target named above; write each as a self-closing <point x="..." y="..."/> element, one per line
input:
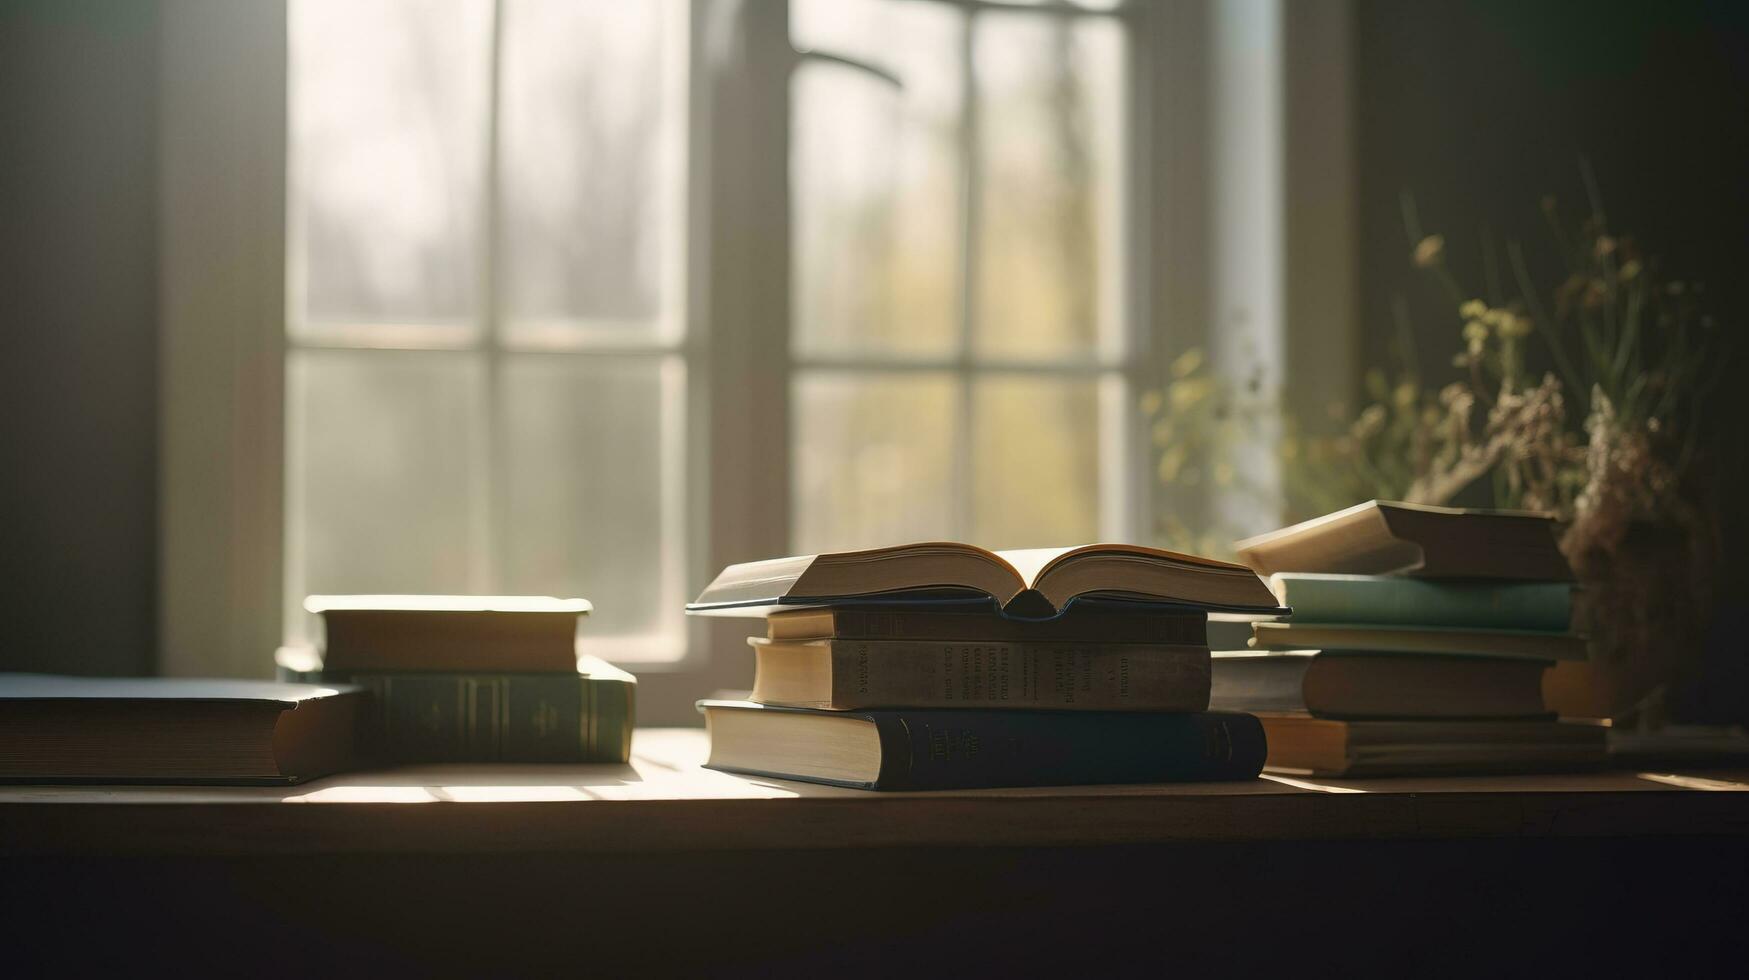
<point x="78" y="362"/>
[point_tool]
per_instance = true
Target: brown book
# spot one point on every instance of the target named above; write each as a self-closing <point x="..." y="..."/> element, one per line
<point x="1031" y="584"/>
<point x="461" y="634"/>
<point x="85" y="729"/>
<point x="842" y="675"/>
<point x="1080" y="623"/>
<point x="1531" y="644"/>
<point x="1335" y="685"/>
<point x="1322" y="747"/>
<point x="1380" y="537"/>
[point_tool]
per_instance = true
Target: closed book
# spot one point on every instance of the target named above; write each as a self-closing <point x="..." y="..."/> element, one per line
<point x="160" y="730"/>
<point x="1322" y="747"/>
<point x="922" y="749"/>
<point x="583" y="715"/>
<point x="845" y="674"/>
<point x="1382" y="537"/>
<point x="1532" y="644"/>
<point x="1394" y="600"/>
<point x="457" y="634"/>
<point x="1348" y="685"/>
<point x="1083" y="622"/>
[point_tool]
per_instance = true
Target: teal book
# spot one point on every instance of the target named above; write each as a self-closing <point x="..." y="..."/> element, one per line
<point x="586" y="716"/>
<point x="1386" y="600"/>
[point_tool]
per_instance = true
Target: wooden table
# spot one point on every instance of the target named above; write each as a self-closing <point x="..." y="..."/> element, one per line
<point x="407" y="864"/>
<point x="664" y="801"/>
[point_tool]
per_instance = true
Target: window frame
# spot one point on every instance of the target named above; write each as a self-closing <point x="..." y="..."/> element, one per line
<point x="222" y="172"/>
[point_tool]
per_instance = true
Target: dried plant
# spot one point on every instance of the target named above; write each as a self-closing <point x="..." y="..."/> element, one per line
<point x="1600" y="439"/>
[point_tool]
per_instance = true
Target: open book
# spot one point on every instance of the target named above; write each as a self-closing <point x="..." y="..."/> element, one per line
<point x="1033" y="584"/>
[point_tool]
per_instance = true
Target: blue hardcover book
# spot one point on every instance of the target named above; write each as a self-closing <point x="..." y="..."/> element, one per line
<point x="924" y="749"/>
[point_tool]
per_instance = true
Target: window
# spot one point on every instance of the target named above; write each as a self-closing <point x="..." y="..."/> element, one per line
<point x="487" y="355"/>
<point x="960" y="351"/>
<point x="904" y="281"/>
<point x="487" y="359"/>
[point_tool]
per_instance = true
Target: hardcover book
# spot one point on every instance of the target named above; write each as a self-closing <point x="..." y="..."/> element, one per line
<point x="448" y="633"/>
<point x="846" y="674"/>
<point x="1322" y="747"/>
<point x="1381" y="537"/>
<point x="159" y="730"/>
<point x="1033" y="584"/>
<point x="581" y="715"/>
<point x="1394" y="600"/>
<point x="924" y="749"/>
<point x="1084" y="622"/>
<point x="1338" y="685"/>
<point x="1532" y="644"/>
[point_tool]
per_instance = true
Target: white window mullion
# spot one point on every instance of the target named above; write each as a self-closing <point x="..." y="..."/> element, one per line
<point x="964" y="422"/>
<point x="490" y="514"/>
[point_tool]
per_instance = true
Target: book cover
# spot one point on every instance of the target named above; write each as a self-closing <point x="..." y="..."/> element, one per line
<point x="1386" y="600"/>
<point x="1382" y="537"/>
<point x="1432" y="641"/>
<point x="846" y="674"/>
<point x="174" y="730"/>
<point x="581" y="716"/>
<point x="1087" y="621"/>
<point x="939" y="749"/>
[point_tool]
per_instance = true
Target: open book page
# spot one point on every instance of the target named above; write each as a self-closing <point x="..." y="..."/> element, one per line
<point x="1048" y="558"/>
<point x="1029" y="562"/>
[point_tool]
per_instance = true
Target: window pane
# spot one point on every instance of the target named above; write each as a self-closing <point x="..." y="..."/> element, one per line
<point x="387" y="113"/>
<point x="383" y="455"/>
<point x="589" y="160"/>
<point x="1036" y="462"/>
<point x="588" y="491"/>
<point x="1083" y="4"/>
<point x="1049" y="97"/>
<point x="873" y="459"/>
<point x="875" y="176"/>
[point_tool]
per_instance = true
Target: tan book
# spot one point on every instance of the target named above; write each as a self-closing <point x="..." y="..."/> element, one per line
<point x="1377" y="685"/>
<point x="1080" y="623"/>
<point x="1382" y="537"/>
<point x="1299" y="745"/>
<point x="1532" y="644"/>
<point x="842" y="675"/>
<point x="459" y="634"/>
<point x="1031" y="584"/>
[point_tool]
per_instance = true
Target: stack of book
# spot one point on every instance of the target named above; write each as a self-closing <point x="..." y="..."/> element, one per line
<point x="471" y="678"/>
<point x="943" y="666"/>
<point x="1418" y="644"/>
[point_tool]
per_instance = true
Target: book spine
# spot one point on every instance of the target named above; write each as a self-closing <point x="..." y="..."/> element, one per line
<point x="494" y="717"/>
<point x="1415" y="602"/>
<point x="891" y="624"/>
<point x="975" y="749"/>
<point x="1062" y="676"/>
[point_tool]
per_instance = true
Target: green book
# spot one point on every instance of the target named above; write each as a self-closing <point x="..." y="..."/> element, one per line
<point x="586" y="716"/>
<point x="1385" y="600"/>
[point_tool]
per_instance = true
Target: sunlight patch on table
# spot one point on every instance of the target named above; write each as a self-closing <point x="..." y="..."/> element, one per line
<point x="1693" y="782"/>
